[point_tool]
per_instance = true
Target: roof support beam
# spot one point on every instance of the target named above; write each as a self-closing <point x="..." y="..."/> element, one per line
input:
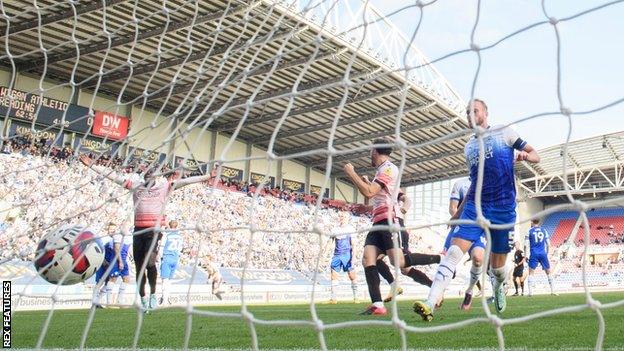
<point x="303" y="88"/>
<point x="367" y="137"/>
<point x="251" y="120"/>
<point x="412" y="160"/>
<point x="344" y="122"/>
<point x="198" y="55"/>
<point x="256" y="71"/>
<point x="607" y="144"/>
<point x="54" y="17"/>
<point x="340" y="158"/>
<point x="432" y="176"/>
<point x="118" y="41"/>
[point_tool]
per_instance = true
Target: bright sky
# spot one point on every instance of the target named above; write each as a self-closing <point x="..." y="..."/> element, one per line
<point x="518" y="77"/>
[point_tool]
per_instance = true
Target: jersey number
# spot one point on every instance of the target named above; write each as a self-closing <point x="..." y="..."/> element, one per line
<point x="538" y="237"/>
<point x="174" y="245"/>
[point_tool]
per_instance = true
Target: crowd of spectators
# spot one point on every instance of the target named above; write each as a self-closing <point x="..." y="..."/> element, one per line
<point x="29" y="145"/>
<point x="38" y="194"/>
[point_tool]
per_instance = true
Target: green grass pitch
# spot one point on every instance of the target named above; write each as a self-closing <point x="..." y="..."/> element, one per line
<point x="114" y="328"/>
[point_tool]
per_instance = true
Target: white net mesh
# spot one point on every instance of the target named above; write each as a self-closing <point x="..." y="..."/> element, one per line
<point x="309" y="81"/>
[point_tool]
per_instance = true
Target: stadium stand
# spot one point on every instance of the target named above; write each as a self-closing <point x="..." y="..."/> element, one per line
<point x="606" y="226"/>
<point x="221" y="207"/>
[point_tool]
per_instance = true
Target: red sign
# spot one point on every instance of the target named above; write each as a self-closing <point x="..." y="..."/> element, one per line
<point x="109" y="125"/>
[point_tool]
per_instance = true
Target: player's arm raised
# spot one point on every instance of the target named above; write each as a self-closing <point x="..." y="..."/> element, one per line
<point x="367" y="189"/>
<point x="179" y="183"/>
<point x="101" y="170"/>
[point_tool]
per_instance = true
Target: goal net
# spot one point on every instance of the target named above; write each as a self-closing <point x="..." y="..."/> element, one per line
<point x="250" y="109"/>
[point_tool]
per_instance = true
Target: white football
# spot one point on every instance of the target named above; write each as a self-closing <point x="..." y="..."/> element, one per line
<point x="68" y="255"/>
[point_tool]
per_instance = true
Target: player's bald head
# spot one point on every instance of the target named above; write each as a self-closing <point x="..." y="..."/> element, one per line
<point x="481" y="102"/>
<point x="478" y="110"/>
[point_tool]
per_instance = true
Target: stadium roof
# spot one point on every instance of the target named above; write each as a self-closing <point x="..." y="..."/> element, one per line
<point x="235" y="46"/>
<point x="595" y="169"/>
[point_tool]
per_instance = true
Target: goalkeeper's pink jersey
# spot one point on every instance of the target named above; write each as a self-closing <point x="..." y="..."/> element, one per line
<point x="149" y="203"/>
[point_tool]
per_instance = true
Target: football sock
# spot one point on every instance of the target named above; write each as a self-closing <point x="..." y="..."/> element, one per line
<point x="122" y="290"/>
<point x="419" y="277"/>
<point x="475" y="273"/>
<point x="334" y="286"/>
<point x="550" y="282"/>
<point x="165" y="289"/>
<point x="354" y="289"/>
<point x="444" y="275"/>
<point x="499" y="275"/>
<point x="152" y="275"/>
<point x="109" y="290"/>
<point x="384" y="271"/>
<point x="418" y="259"/>
<point x="372" y="280"/>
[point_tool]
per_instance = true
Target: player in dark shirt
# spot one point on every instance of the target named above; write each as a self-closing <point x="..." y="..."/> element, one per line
<point x="518" y="272"/>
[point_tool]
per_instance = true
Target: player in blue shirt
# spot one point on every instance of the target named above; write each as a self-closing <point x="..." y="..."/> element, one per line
<point x="170" y="258"/>
<point x="121" y="248"/>
<point x="105" y="275"/>
<point x="538" y="244"/>
<point x="476" y="251"/>
<point x="343" y="255"/>
<point x="498" y="204"/>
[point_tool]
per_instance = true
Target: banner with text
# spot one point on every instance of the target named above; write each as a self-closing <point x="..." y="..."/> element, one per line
<point x="97" y="146"/>
<point x="190" y="165"/>
<point x="259" y="178"/>
<point x="294" y="186"/>
<point x="232" y="173"/>
<point x="110" y="125"/>
<point x="25" y="107"/>
<point x="264" y="277"/>
<point x="146" y="156"/>
<point x="23" y="129"/>
<point x="317" y="191"/>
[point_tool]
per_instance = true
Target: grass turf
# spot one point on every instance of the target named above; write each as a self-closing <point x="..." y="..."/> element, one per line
<point x="115" y="328"/>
